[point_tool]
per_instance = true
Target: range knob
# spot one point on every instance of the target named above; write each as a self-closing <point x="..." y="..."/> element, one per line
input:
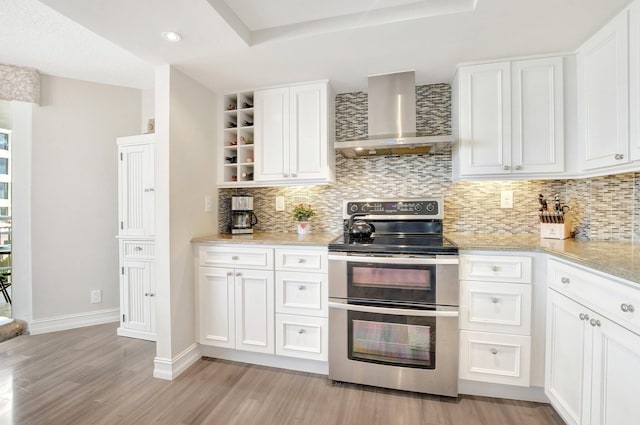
<point x="417" y="207"/>
<point x="431" y="207"/>
<point x="364" y="208"/>
<point x="353" y="208"/>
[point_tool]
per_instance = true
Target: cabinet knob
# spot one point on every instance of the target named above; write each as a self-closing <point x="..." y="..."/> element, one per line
<point x="619" y="156"/>
<point x="149" y="294"/>
<point x="493" y="351"/>
<point x="238" y="274"/>
<point x="138" y="248"/>
<point x="506" y="168"/>
<point x="301" y="288"/>
<point x="235" y="257"/>
<point x="229" y="273"/>
<point x="285" y="175"/>
<point x="583" y="316"/>
<point x="594" y="322"/>
<point x="565" y="280"/>
<point x="294" y="175"/>
<point x="300" y="331"/>
<point x="627" y="308"/>
<point x="148" y="189"/>
<point x="494" y="268"/>
<point x="518" y="167"/>
<point x="301" y="260"/>
<point x="494" y="300"/>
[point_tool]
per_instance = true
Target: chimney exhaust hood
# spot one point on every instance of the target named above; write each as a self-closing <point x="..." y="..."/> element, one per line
<point x="392" y="120"/>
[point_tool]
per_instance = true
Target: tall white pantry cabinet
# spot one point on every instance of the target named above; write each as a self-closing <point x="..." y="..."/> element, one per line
<point x="136" y="236"/>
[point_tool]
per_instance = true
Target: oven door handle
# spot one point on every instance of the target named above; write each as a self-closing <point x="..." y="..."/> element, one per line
<point x="393" y="260"/>
<point x="395" y="311"/>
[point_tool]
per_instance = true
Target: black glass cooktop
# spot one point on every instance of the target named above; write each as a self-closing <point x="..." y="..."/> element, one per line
<point x="395" y="243"/>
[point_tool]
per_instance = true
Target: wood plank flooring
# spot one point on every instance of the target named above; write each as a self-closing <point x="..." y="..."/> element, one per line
<point x="91" y="376"/>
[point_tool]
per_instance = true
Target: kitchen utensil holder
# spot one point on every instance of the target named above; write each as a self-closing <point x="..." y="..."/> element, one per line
<point x="555" y="230"/>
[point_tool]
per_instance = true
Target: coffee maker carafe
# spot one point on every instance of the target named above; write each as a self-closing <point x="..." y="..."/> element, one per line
<point x="242" y="216"/>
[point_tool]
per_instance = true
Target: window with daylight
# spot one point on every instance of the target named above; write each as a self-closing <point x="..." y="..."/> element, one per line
<point x="4" y="166"/>
<point x="4" y="141"/>
<point x="4" y="190"/>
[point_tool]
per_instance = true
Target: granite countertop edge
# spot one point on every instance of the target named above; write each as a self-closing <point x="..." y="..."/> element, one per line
<point x="269" y="238"/>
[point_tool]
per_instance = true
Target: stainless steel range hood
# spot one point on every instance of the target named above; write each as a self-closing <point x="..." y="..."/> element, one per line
<point x="392" y="120"/>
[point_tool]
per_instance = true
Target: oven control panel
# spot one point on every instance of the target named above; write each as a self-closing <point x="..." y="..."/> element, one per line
<point x="407" y="208"/>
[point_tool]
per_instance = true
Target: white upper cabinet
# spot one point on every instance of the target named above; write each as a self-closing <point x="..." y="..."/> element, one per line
<point x="509" y="118"/>
<point x="634" y="81"/>
<point x="294" y="134"/>
<point x="603" y="96"/>
<point x="136" y="186"/>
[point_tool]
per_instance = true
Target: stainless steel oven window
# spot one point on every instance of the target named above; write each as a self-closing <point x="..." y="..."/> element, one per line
<point x="396" y="340"/>
<point x="398" y="282"/>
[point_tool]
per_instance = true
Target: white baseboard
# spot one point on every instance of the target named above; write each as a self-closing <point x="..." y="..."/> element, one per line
<point x="535" y="394"/>
<point x="170" y="369"/>
<point x="73" y="321"/>
<point x="131" y="333"/>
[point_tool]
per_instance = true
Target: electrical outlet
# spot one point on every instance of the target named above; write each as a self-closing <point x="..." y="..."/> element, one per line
<point x="96" y="296"/>
<point x="208" y="203"/>
<point x="279" y="203"/>
<point x="506" y="199"/>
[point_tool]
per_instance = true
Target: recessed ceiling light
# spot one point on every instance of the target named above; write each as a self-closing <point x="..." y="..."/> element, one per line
<point x="171" y="36"/>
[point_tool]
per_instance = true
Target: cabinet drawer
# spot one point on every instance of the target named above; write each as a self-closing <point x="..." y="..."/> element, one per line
<point x="229" y="256"/>
<point x="611" y="298"/>
<point x="495" y="268"/>
<point x="302" y="293"/>
<point x="496" y="307"/>
<point x="302" y="336"/>
<point x="138" y="249"/>
<point x="497" y="358"/>
<point x="302" y="260"/>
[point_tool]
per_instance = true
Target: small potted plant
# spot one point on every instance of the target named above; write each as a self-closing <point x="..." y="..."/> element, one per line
<point x="302" y="213"/>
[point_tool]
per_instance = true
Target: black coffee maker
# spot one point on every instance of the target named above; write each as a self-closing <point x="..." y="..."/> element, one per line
<point x="242" y="216"/>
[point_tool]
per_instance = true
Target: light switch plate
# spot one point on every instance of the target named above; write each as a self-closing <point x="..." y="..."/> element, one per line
<point x="279" y="203"/>
<point x="208" y="203"/>
<point x="506" y="199"/>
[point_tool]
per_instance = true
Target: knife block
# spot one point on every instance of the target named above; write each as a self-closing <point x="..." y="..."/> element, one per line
<point x="555" y="230"/>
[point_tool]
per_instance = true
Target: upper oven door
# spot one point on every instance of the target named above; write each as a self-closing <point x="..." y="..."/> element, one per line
<point x="394" y="279"/>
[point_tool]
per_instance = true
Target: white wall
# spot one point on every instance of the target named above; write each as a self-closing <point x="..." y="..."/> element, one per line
<point x="74" y="193"/>
<point x="185" y="147"/>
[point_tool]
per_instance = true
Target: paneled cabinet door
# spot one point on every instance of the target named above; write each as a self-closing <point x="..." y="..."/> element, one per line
<point x="538" y="116"/>
<point x="138" y="296"/>
<point x="137" y="190"/>
<point x="308" y="131"/>
<point x="271" y="128"/>
<point x="255" y="312"/>
<point x="485" y="119"/>
<point x="616" y="374"/>
<point x="567" y="357"/>
<point x="634" y="81"/>
<point x="603" y="96"/>
<point x="216" y="292"/>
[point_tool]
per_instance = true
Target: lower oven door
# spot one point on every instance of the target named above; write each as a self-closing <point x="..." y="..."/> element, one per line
<point x="405" y="349"/>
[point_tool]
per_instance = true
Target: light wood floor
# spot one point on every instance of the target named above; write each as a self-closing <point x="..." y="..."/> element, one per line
<point x="91" y="376"/>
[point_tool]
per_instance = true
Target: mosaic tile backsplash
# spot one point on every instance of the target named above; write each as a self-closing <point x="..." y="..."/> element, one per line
<point x="606" y="208"/>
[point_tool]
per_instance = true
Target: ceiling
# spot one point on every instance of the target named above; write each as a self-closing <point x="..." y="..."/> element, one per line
<point x="231" y="45"/>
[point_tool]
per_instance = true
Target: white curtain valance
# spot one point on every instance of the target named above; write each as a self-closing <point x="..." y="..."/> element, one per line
<point x="19" y="83"/>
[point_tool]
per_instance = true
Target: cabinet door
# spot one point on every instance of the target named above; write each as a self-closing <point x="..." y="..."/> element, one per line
<point x="254" y="307"/>
<point x="603" y="95"/>
<point x="216" y="301"/>
<point x="568" y="347"/>
<point x="634" y="81"/>
<point x="538" y="117"/>
<point x="616" y="374"/>
<point x="136" y="190"/>
<point x="271" y="128"/>
<point x="138" y="298"/>
<point x="485" y="119"/>
<point x="308" y="134"/>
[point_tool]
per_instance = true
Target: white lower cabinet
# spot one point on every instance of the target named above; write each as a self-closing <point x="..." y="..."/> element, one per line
<point x="495" y="319"/>
<point x="137" y="290"/>
<point x="237" y="308"/>
<point x="592" y="363"/>
<point x="267" y="310"/>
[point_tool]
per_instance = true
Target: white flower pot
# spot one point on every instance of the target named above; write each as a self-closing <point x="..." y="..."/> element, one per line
<point x="304" y="227"/>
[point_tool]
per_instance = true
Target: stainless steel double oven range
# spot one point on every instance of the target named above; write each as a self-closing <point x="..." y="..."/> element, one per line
<point x="393" y="299"/>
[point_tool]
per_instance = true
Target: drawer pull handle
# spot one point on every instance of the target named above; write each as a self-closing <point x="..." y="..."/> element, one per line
<point x="138" y="248"/>
<point x="235" y="257"/>
<point x="583" y="316"/>
<point x="300" y="331"/>
<point x="148" y="189"/>
<point x="149" y="294"/>
<point x="619" y="156"/>
<point x="565" y="280"/>
<point x="238" y="274"/>
<point x="594" y="322"/>
<point x="301" y="260"/>
<point x="494" y="351"/>
<point x="627" y="308"/>
<point x="229" y="273"/>
<point x="495" y="268"/>
<point x="302" y="288"/>
<point x="494" y="300"/>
